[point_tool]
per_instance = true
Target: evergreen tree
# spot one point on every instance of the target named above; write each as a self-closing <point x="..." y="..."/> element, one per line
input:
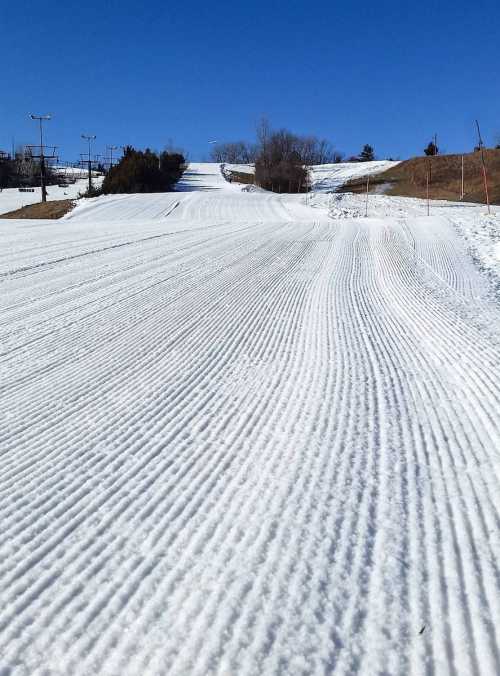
<point x="144" y="171"/>
<point x="367" y="154"/>
<point x="431" y="149"/>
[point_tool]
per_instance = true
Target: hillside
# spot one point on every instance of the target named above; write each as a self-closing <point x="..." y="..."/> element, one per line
<point x="409" y="178"/>
<point x="323" y="177"/>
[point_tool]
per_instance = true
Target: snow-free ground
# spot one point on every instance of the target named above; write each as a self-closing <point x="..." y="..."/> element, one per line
<point x="246" y="435"/>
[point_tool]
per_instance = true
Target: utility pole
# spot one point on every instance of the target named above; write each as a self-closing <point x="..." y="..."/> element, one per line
<point x="89" y="138"/>
<point x="485" y="178"/>
<point x="41" y="118"/>
<point x="111" y="148"/>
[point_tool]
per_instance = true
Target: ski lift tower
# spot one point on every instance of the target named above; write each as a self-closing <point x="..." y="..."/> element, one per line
<point x="89" y="138"/>
<point x="38" y="153"/>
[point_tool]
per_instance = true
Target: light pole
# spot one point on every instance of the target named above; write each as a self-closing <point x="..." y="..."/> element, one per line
<point x="41" y="118"/>
<point x="89" y="139"/>
<point x="212" y="143"/>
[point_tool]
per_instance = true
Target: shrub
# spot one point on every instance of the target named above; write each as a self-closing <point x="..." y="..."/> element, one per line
<point x="431" y="149"/>
<point x="144" y="171"/>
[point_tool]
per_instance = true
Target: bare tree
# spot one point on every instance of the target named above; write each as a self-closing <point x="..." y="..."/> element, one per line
<point x="281" y="158"/>
<point x="280" y="164"/>
<point x="236" y="152"/>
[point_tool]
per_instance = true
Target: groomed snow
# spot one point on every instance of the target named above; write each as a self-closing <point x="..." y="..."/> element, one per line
<point x="240" y="436"/>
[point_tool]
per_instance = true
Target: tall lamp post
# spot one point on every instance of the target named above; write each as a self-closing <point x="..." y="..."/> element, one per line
<point x="41" y="119"/>
<point x="212" y="143"/>
<point x="89" y="138"/>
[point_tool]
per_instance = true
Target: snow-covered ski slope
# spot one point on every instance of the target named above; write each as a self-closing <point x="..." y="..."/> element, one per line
<point x="242" y="437"/>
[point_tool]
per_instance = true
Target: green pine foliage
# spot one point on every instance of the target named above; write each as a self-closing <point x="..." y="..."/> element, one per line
<point x="431" y="149"/>
<point x="367" y="154"/>
<point x="144" y="171"/>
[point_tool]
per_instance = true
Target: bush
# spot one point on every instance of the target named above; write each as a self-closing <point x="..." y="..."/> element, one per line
<point x="92" y="192"/>
<point x="144" y="171"/>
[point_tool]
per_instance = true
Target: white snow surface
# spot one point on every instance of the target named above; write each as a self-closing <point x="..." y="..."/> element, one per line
<point x="331" y="177"/>
<point x="12" y="199"/>
<point x="240" y="436"/>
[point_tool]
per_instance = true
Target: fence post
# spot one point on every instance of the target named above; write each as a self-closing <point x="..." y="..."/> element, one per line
<point x="367" y="191"/>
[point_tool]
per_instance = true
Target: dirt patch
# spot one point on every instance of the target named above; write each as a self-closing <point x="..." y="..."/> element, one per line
<point x="43" y="210"/>
<point x="409" y="178"/>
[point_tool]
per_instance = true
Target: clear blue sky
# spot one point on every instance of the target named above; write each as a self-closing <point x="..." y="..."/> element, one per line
<point x="382" y="72"/>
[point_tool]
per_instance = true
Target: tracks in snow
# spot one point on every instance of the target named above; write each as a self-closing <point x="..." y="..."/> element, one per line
<point x="251" y="449"/>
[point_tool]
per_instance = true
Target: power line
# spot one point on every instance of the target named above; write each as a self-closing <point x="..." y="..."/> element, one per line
<point x="111" y="148"/>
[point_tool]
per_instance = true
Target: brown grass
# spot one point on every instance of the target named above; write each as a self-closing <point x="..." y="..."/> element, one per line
<point x="408" y="179"/>
<point x="49" y="210"/>
<point x="242" y="177"/>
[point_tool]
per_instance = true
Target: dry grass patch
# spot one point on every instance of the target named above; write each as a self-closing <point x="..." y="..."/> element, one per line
<point x="408" y="179"/>
<point x="43" y="210"/>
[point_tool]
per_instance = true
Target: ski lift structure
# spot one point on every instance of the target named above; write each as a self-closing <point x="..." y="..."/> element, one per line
<point x="37" y="152"/>
<point x="94" y="163"/>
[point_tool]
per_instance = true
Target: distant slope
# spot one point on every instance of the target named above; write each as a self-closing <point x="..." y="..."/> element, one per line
<point x="409" y="178"/>
<point x="202" y="197"/>
<point x="331" y="177"/>
<point x="324" y="177"/>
